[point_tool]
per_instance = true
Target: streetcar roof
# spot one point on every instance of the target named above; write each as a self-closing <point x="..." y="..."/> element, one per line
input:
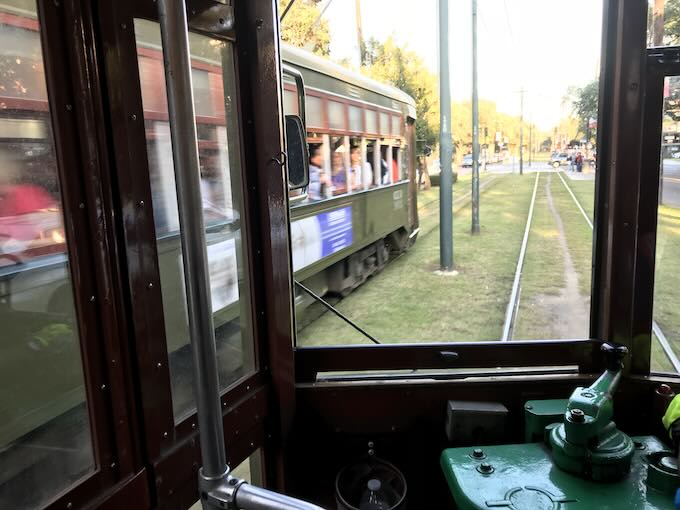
<point x="308" y="61"/>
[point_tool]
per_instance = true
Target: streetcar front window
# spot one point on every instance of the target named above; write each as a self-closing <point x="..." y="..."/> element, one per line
<point x="45" y="437"/>
<point x="521" y="238"/>
<point x="221" y="190"/>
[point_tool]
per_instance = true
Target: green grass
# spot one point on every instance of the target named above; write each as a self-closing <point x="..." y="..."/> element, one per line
<point x="408" y="302"/>
<point x="543" y="270"/>
<point x="543" y="275"/>
<point x="578" y="233"/>
<point x="667" y="277"/>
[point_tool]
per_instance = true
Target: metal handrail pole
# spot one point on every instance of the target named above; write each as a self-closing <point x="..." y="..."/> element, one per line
<point x="177" y="62"/>
<point x="249" y="497"/>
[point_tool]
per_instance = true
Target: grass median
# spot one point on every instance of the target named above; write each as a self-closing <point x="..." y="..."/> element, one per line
<point x="408" y="302"/>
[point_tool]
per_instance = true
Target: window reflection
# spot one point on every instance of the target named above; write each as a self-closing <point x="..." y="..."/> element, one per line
<point x="45" y="444"/>
<point x="220" y="190"/>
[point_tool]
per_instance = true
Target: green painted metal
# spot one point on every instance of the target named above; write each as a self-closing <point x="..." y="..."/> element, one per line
<point x="524" y="477"/>
<point x="587" y="442"/>
<point x="376" y="213"/>
<point x="538" y="414"/>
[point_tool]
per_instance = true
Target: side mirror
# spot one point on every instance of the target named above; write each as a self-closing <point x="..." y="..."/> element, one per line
<point x="297" y="162"/>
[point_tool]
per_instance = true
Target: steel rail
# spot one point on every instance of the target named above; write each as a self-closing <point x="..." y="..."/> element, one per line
<point x="514" y="293"/>
<point x="658" y="333"/>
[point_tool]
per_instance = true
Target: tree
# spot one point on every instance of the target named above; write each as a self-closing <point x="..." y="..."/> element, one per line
<point x="404" y="69"/>
<point x="303" y="27"/>
<point x="584" y="106"/>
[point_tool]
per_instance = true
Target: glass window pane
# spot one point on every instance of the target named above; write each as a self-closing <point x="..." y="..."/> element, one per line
<point x="221" y="190"/>
<point x="336" y="115"/>
<point x="290" y="102"/>
<point x="358" y="253"/>
<point x="314" y="111"/>
<point x="666" y="325"/>
<point x="384" y="123"/>
<point x="396" y="125"/>
<point x="663" y="23"/>
<point x="45" y="443"/>
<point x="355" y="119"/>
<point x="371" y="121"/>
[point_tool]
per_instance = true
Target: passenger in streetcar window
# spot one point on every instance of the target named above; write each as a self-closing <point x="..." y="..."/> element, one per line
<point x="317" y="177"/>
<point x="362" y="173"/>
<point x="384" y="171"/>
<point x="339" y="174"/>
<point x="395" y="165"/>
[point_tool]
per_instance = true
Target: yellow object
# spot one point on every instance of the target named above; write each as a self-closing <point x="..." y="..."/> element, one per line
<point x="672" y="413"/>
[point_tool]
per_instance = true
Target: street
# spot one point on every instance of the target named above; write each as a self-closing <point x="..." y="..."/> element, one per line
<point x="671" y="182"/>
<point x="671" y="176"/>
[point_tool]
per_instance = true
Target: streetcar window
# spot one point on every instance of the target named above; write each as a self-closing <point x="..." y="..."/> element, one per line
<point x="339" y="165"/>
<point x="662" y="23"/>
<point x="666" y="316"/>
<point x="395" y="164"/>
<point x="384" y="123"/>
<point x="385" y="164"/>
<point x="336" y="115"/>
<point x="290" y="102"/>
<point x="403" y="162"/>
<point x="361" y="173"/>
<point x="316" y="190"/>
<point x="507" y="285"/>
<point x="372" y="122"/>
<point x="221" y="189"/>
<point x="356" y="119"/>
<point x="372" y="161"/>
<point x="396" y="125"/>
<point x="45" y="437"/>
<point x="314" y="111"/>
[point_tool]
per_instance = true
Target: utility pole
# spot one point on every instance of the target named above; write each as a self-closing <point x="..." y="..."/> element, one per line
<point x="475" y="126"/>
<point x="521" y="131"/>
<point x="445" y="144"/>
<point x="531" y="138"/>
<point x="658" y="15"/>
<point x="657" y="40"/>
<point x="360" y="34"/>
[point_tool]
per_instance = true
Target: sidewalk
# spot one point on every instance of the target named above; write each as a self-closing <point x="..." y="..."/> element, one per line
<point x="588" y="174"/>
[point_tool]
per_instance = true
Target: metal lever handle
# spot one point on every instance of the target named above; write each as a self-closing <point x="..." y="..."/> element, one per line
<point x="249" y="497"/>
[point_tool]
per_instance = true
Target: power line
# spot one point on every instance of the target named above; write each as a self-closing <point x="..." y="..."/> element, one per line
<point x="507" y="21"/>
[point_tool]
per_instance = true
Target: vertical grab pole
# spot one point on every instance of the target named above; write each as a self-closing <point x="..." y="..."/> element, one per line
<point x="445" y="144"/>
<point x="176" y="59"/>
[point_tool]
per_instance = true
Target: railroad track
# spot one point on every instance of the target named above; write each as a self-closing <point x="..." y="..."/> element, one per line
<point x="513" y="302"/>
<point x="658" y="333"/>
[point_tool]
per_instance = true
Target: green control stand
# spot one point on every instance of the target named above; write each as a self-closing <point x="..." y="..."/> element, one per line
<point x="584" y="463"/>
<point x="588" y="443"/>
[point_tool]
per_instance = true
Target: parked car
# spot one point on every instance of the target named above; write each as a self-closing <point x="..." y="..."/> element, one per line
<point x="467" y="161"/>
<point x="558" y="159"/>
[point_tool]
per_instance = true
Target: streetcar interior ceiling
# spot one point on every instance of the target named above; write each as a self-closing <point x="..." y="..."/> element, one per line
<point x="338" y="330"/>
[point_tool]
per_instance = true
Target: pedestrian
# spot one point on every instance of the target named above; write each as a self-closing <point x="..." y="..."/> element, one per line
<point x="579" y="162"/>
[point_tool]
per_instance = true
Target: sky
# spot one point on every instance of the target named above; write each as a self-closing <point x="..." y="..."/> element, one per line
<point x="543" y="46"/>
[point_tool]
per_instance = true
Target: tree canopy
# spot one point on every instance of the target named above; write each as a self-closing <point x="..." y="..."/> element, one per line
<point x="398" y="66"/>
<point x="584" y="105"/>
<point x="303" y="27"/>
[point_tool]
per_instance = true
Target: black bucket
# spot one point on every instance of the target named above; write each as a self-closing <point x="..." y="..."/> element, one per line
<point x="353" y="480"/>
